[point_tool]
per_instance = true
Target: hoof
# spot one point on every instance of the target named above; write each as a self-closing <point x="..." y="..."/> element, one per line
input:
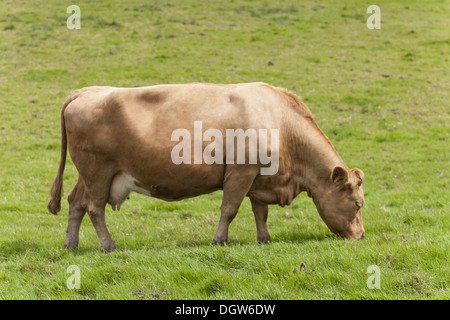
<point x="71" y="245"/>
<point x="109" y="248"/>
<point x="265" y="240"/>
<point x="219" y="242"/>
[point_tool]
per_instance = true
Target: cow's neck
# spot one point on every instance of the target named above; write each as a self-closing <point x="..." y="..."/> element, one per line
<point x="313" y="157"/>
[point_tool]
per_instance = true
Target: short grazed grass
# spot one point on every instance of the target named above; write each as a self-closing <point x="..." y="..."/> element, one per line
<point x="381" y="96"/>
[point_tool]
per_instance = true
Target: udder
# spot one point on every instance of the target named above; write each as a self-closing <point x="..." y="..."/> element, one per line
<point x="120" y="189"/>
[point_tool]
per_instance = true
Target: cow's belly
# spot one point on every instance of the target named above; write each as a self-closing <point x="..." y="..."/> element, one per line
<point x="167" y="189"/>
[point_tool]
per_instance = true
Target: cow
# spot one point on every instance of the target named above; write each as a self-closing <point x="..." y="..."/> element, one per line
<point x="122" y="140"/>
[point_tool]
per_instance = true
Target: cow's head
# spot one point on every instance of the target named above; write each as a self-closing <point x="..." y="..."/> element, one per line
<point x="340" y="202"/>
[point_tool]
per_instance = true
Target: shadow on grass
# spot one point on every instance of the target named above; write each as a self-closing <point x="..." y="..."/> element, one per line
<point x="291" y="237"/>
<point x="21" y="248"/>
<point x="17" y="248"/>
<point x="302" y="237"/>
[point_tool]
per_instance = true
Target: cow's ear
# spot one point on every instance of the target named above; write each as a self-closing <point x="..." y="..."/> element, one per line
<point x="359" y="174"/>
<point x="339" y="176"/>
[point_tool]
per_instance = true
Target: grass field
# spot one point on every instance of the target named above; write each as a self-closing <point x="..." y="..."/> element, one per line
<point x="381" y="96"/>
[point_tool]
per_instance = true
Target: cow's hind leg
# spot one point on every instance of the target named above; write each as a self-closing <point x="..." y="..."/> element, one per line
<point x="261" y="211"/>
<point x="236" y="185"/>
<point x="96" y="211"/>
<point x="76" y="215"/>
<point x="98" y="177"/>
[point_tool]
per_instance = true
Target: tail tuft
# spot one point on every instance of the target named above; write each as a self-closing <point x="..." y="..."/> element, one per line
<point x="54" y="205"/>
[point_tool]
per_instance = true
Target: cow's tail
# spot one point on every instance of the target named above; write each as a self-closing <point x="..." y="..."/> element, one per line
<point x="54" y="205"/>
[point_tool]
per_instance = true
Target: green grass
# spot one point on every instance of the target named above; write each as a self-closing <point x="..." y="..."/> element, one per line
<point x="382" y="97"/>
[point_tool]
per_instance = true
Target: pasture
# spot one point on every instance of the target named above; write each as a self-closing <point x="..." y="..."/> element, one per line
<point x="381" y="96"/>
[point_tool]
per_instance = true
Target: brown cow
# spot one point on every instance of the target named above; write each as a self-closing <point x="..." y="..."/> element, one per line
<point x="125" y="139"/>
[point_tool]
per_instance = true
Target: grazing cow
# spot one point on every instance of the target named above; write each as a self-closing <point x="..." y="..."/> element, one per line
<point x="125" y="139"/>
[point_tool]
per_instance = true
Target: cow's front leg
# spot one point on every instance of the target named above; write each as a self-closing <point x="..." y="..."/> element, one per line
<point x="227" y="213"/>
<point x="237" y="183"/>
<point x="261" y="211"/>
